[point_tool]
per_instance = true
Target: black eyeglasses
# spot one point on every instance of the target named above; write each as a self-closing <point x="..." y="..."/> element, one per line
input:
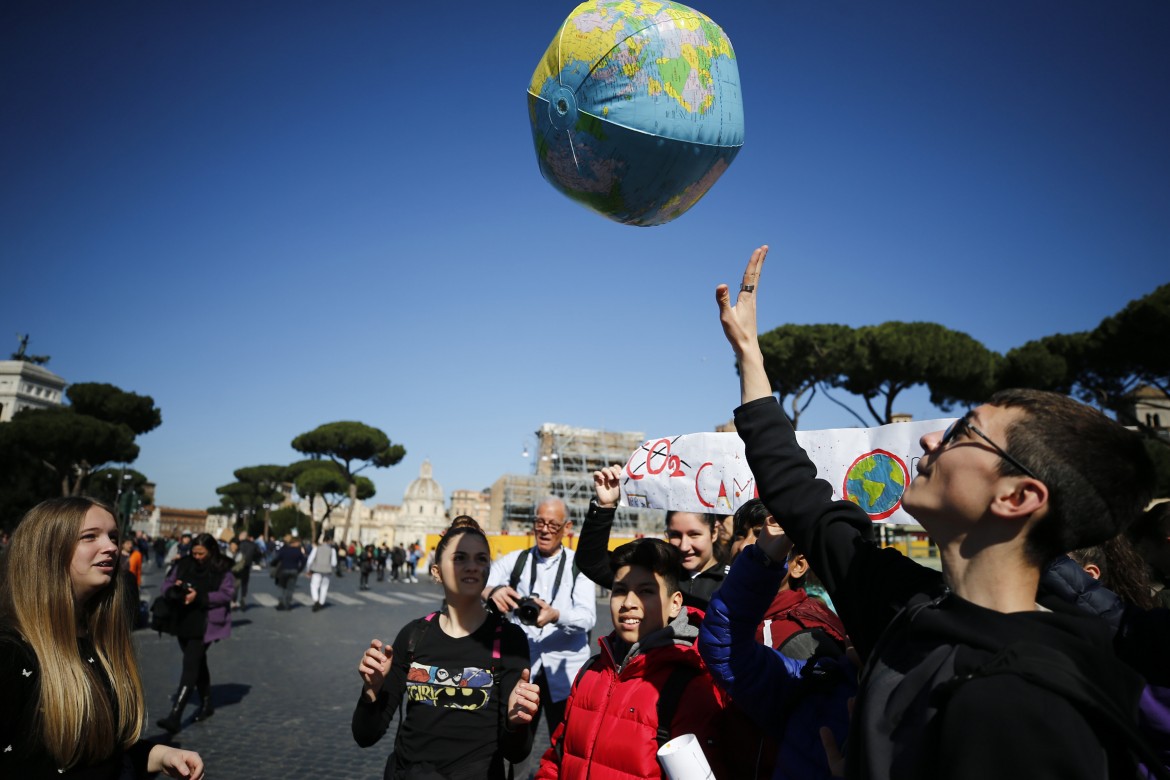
<point x="551" y="525"/>
<point x="962" y="425"/>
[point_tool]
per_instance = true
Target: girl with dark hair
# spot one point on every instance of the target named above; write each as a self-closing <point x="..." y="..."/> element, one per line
<point x="695" y="535"/>
<point x="465" y="674"/>
<point x="201" y="586"/>
<point x="72" y="703"/>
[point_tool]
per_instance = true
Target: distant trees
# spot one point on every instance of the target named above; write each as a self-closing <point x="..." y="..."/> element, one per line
<point x="352" y="447"/>
<point x="54" y="451"/>
<point x="1105" y="365"/>
<point x="249" y="498"/>
<point x="1102" y="367"/>
<point x="325" y="480"/>
<point x="877" y="363"/>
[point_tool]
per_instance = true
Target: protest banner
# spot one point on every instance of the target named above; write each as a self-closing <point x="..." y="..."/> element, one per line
<point x="707" y="472"/>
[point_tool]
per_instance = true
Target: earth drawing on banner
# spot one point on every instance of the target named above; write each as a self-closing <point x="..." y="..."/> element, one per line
<point x="636" y="109"/>
<point x="876" y="482"/>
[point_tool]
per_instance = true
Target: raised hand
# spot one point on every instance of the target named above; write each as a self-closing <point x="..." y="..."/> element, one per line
<point x="740" y="328"/>
<point x="739" y="320"/>
<point x="374" y="667"/>
<point x="524" y="701"/>
<point x="607" y="485"/>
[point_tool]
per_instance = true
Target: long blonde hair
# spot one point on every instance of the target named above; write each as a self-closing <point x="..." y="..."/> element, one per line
<point x="76" y="722"/>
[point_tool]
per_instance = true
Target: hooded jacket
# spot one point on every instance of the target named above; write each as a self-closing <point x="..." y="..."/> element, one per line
<point x="611" y="717"/>
<point x="934" y="703"/>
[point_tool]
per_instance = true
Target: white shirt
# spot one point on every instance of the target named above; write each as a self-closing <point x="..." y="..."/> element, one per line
<point x="559" y="648"/>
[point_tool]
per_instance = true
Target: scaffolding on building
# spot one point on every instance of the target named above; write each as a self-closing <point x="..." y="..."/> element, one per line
<point x="563" y="464"/>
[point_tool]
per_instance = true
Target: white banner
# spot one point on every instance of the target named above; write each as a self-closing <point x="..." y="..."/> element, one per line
<point x="707" y="472"/>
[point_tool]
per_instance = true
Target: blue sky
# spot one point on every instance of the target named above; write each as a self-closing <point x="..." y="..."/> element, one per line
<point x="269" y="216"/>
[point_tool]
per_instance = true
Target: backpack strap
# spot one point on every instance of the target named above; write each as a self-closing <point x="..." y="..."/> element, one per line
<point x="416" y="634"/>
<point x="670" y="696"/>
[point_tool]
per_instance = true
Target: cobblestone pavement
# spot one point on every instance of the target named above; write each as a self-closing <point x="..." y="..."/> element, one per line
<point x="285" y="684"/>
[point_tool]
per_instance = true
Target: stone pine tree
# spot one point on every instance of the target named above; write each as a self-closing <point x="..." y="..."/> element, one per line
<point x="325" y="480"/>
<point x="896" y="356"/>
<point x="97" y="427"/>
<point x="255" y="490"/>
<point x="354" y="447"/>
<point x="804" y="359"/>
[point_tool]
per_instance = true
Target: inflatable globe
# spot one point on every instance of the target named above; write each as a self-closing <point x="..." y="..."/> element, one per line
<point x="636" y="109"/>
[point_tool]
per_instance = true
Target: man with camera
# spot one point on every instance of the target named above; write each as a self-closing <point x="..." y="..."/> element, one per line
<point x="542" y="590"/>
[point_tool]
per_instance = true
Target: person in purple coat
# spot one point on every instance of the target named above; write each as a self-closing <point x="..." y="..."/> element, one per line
<point x="200" y="585"/>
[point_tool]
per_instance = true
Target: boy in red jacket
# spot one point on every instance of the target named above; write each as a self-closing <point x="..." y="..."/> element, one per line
<point x="611" y="726"/>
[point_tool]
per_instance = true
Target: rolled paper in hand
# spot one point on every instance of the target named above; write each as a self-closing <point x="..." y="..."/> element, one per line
<point x="682" y="759"/>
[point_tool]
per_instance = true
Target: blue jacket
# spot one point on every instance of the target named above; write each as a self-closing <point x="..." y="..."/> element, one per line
<point x="788" y="700"/>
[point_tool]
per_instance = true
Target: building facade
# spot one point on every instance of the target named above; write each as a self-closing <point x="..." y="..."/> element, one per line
<point x="25" y="385"/>
<point x="473" y="503"/>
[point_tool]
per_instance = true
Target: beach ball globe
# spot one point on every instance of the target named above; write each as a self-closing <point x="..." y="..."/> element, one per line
<point x="636" y="109"/>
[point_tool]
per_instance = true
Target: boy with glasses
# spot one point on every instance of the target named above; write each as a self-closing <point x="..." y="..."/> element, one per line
<point x="965" y="675"/>
<point x="541" y="589"/>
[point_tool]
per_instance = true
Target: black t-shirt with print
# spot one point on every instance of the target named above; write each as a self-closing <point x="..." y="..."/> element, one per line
<point x="455" y="717"/>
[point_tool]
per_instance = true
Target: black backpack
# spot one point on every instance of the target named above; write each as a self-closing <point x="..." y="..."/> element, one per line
<point x="1052" y="670"/>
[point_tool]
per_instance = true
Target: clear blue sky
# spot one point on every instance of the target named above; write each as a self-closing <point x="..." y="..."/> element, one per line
<point x="269" y="215"/>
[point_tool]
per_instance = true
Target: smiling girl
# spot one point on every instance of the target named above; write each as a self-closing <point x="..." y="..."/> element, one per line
<point x="465" y="674"/>
<point x="72" y="703"/>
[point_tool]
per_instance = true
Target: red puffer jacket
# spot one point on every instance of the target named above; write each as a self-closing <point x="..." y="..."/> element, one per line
<point x="611" y="717"/>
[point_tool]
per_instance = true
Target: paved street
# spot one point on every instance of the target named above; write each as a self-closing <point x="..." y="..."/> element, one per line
<point x="285" y="683"/>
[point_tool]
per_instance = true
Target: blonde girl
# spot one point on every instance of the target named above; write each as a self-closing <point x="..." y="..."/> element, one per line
<point x="73" y="703"/>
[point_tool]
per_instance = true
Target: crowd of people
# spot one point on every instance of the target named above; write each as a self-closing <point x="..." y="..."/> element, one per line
<point x="782" y="642"/>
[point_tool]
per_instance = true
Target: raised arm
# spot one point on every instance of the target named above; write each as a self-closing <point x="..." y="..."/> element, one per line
<point x="593" y="544"/>
<point x="836" y="536"/>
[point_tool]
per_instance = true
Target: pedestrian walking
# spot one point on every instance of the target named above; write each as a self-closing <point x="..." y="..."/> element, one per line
<point x="249" y="554"/>
<point x="200" y="585"/>
<point x="288" y="563"/>
<point x="366" y="567"/>
<point x="62" y="610"/>
<point x="397" y="559"/>
<point x="320" y="565"/>
<point x="412" y="559"/>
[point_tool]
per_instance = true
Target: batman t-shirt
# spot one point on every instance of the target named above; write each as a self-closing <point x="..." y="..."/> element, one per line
<point x="454" y="701"/>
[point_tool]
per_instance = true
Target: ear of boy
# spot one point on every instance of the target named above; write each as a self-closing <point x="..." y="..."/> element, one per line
<point x="797" y="568"/>
<point x="1021" y="498"/>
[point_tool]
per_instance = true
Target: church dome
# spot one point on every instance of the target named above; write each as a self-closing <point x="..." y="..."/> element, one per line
<point x="425" y="488"/>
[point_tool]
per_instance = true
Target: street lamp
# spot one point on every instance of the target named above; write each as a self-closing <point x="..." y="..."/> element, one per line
<point x="124" y="481"/>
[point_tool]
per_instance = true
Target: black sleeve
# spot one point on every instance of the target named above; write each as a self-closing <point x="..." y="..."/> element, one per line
<point x="868" y="585"/>
<point x="372" y="718"/>
<point x="593" y="545"/>
<point x="137" y="758"/>
<point x="515" y="745"/>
